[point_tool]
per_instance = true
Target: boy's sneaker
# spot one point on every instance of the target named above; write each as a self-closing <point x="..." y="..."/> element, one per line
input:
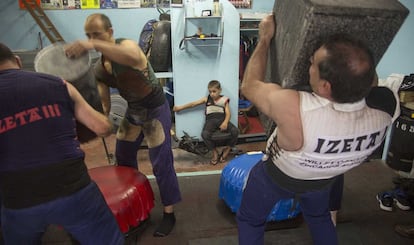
<point x="385" y="200"/>
<point x="401" y="199"/>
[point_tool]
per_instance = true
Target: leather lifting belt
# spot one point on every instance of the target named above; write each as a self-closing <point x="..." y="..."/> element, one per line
<point x="30" y="187"/>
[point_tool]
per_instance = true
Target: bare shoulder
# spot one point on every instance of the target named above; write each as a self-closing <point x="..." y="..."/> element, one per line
<point x="278" y="104"/>
<point x="128" y="42"/>
<point x="202" y="100"/>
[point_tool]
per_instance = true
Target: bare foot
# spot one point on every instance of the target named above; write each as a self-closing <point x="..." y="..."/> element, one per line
<point x="215" y="157"/>
<point x="225" y="153"/>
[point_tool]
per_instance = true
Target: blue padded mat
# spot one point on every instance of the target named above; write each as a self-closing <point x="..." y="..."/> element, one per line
<point x="233" y="179"/>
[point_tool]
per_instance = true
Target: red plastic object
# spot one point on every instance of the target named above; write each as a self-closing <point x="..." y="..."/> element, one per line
<point x="127" y="192"/>
<point x="22" y="6"/>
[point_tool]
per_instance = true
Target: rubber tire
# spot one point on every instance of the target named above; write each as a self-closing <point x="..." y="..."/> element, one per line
<point x="160" y="56"/>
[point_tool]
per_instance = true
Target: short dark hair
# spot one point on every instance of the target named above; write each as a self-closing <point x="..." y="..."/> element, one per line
<point x="5" y="54"/>
<point x="349" y="67"/>
<point x="214" y="83"/>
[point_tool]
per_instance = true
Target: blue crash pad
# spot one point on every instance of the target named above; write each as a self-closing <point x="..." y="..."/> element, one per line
<point x="233" y="178"/>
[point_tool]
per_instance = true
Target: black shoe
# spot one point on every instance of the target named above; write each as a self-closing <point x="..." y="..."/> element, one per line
<point x="401" y="199"/>
<point x="385" y="200"/>
<point x="166" y="226"/>
<point x="405" y="230"/>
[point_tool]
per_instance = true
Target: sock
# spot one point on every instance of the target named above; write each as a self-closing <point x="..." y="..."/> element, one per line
<point x="167" y="224"/>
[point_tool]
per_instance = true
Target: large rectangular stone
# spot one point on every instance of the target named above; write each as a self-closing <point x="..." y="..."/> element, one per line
<point x="301" y="23"/>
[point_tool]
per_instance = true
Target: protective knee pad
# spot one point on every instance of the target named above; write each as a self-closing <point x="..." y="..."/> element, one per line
<point x="128" y="131"/>
<point x="154" y="133"/>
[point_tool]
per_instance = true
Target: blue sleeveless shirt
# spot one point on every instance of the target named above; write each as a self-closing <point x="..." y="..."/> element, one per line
<point x="37" y="124"/>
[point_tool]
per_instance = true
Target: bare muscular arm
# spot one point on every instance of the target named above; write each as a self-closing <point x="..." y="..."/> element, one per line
<point x="88" y="116"/>
<point x="104" y="93"/>
<point x="225" y="123"/>
<point x="126" y="53"/>
<point x="281" y="105"/>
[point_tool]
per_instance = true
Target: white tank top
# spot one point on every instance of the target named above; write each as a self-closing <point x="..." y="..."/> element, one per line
<point x="337" y="137"/>
<point x="216" y="106"/>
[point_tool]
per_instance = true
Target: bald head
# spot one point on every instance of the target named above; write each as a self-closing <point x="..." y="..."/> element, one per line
<point x="105" y="21"/>
<point x="98" y="26"/>
<point x="349" y="68"/>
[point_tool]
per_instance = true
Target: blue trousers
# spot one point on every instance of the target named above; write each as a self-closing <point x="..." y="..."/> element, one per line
<point x="260" y="196"/>
<point x="161" y="156"/>
<point x="85" y="215"/>
<point x="336" y="194"/>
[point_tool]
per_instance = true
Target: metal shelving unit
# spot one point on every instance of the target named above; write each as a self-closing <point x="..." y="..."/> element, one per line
<point x="203" y="31"/>
<point x="249" y="25"/>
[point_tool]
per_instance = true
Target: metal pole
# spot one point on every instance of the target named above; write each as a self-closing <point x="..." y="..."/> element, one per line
<point x="108" y="156"/>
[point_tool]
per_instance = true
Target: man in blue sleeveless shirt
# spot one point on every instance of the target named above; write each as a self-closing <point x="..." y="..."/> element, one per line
<point x="43" y="177"/>
<point x="125" y="67"/>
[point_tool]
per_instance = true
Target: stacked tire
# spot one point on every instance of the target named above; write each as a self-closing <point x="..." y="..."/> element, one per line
<point x="401" y="151"/>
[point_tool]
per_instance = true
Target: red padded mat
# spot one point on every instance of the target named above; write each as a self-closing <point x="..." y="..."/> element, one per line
<point x="127" y="192"/>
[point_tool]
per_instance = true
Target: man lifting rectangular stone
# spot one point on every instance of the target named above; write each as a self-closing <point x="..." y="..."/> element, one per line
<point x="330" y="49"/>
